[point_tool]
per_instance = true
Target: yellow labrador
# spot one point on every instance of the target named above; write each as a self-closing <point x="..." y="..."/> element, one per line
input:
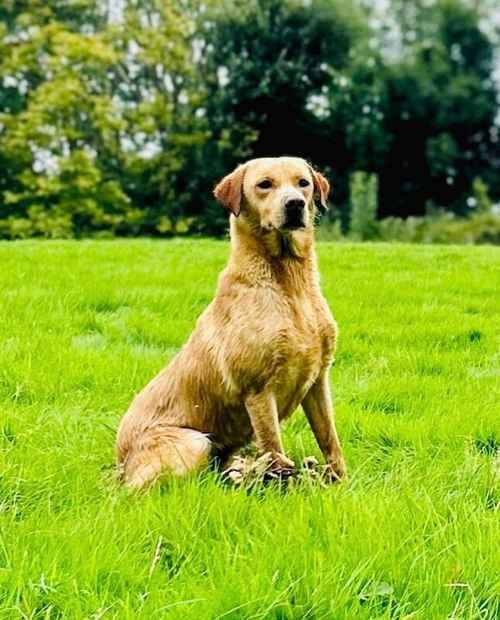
<point x="263" y="346"/>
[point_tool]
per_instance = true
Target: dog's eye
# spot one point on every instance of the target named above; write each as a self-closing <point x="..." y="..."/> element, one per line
<point x="265" y="184"/>
<point x="304" y="183"/>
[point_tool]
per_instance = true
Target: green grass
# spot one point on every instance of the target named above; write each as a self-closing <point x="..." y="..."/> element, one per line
<point x="415" y="533"/>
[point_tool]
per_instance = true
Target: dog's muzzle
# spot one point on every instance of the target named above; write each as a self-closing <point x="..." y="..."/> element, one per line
<point x="294" y="214"/>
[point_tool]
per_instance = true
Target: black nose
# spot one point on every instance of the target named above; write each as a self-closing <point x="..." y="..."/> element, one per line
<point x="296" y="204"/>
<point x="294" y="213"/>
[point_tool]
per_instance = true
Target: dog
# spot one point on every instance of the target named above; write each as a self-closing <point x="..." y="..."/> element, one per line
<point x="263" y="346"/>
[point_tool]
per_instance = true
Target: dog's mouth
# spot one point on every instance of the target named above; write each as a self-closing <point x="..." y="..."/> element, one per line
<point x="291" y="225"/>
<point x="287" y="227"/>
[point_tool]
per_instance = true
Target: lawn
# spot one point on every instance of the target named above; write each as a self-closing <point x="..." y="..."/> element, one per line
<point x="414" y="533"/>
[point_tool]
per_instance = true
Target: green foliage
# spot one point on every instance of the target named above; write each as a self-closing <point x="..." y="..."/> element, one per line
<point x="264" y="64"/>
<point x="133" y="112"/>
<point x="429" y="111"/>
<point x="413" y="533"/>
<point x="364" y="205"/>
<point x="329" y="230"/>
<point x="409" y="230"/>
<point x="94" y="103"/>
<point x="481" y="228"/>
<point x="481" y="196"/>
<point x="66" y="125"/>
<point x="446" y="228"/>
<point x="157" y="80"/>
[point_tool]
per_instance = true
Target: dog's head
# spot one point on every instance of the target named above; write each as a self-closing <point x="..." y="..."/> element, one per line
<point x="275" y="193"/>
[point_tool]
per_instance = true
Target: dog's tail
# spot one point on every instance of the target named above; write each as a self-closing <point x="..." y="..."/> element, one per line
<point x="160" y="449"/>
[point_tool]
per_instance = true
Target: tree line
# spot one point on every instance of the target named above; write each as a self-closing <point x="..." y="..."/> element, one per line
<point x="118" y="118"/>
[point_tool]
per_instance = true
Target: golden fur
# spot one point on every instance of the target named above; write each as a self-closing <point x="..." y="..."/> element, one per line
<point x="263" y="346"/>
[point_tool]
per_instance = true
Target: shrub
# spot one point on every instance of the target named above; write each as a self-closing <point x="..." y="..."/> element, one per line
<point x="481" y="196"/>
<point x="364" y="204"/>
<point x="409" y="230"/>
<point x="482" y="227"/>
<point x="329" y="230"/>
<point x="38" y="223"/>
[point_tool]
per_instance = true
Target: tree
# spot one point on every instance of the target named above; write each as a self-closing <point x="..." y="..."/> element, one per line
<point x="63" y="130"/>
<point x="440" y="109"/>
<point x="122" y="120"/>
<point x="95" y="126"/>
<point x="267" y="68"/>
<point x="156" y="83"/>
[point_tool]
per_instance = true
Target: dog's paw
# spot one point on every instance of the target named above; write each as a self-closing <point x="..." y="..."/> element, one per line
<point x="335" y="471"/>
<point x="276" y="460"/>
<point x="274" y="467"/>
<point x="237" y="471"/>
<point x="268" y="467"/>
<point x="279" y="474"/>
<point x="310" y="463"/>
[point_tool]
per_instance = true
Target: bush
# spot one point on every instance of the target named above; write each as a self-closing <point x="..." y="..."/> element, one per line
<point x="482" y="227"/>
<point x="329" y="230"/>
<point x="364" y="205"/>
<point x="481" y="196"/>
<point x="409" y="230"/>
<point x="38" y="223"/>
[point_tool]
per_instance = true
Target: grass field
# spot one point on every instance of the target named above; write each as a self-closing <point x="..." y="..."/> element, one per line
<point x="415" y="533"/>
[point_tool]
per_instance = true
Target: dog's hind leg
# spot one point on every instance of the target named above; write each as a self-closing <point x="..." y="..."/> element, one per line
<point x="162" y="449"/>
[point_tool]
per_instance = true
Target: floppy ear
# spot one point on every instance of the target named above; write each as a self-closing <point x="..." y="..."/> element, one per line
<point x="321" y="188"/>
<point x="229" y="191"/>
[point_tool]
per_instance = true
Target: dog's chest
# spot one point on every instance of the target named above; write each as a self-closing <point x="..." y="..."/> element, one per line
<point x="306" y="341"/>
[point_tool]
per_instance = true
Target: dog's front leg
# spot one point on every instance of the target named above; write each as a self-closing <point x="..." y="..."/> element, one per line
<point x="318" y="408"/>
<point x="263" y="414"/>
